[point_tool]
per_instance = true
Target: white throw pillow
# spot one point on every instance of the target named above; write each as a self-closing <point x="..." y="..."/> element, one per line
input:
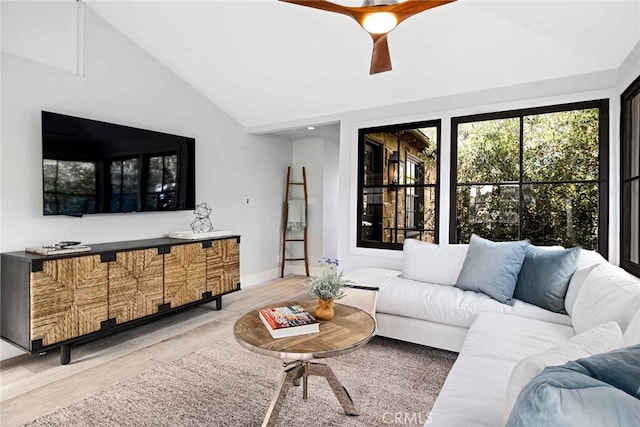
<point x="632" y="334"/>
<point x="426" y="262"/>
<point x="586" y="261"/>
<point x="588" y="258"/>
<point x="600" y="339"/>
<point x="575" y="284"/>
<point x="608" y="294"/>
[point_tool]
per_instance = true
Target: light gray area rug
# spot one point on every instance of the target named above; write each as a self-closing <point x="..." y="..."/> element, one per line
<point x="222" y="384"/>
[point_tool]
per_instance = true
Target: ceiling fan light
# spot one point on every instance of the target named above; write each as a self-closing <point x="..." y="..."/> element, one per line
<point x="379" y="22"/>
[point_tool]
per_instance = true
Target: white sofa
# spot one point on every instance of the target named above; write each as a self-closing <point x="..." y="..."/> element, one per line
<point x="491" y="337"/>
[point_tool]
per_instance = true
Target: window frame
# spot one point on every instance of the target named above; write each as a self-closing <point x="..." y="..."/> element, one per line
<point x="625" y="170"/>
<point x="410" y="159"/>
<point x="362" y="132"/>
<point x="603" y="163"/>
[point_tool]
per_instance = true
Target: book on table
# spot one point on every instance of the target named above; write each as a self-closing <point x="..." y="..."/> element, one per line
<point x="288" y="321"/>
<point x="58" y="250"/>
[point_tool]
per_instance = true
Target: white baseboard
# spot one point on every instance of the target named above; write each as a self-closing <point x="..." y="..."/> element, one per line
<point x="8" y="350"/>
<point x="264" y="276"/>
<point x="300" y="270"/>
<point x="259" y="278"/>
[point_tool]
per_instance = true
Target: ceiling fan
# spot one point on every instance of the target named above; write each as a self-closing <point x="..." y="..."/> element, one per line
<point x="378" y="18"/>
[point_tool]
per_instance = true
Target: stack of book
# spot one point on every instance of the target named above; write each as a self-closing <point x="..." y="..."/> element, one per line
<point x="288" y="321"/>
<point x="58" y="250"/>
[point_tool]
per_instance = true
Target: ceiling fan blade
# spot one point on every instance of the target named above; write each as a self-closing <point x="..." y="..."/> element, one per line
<point x="380" y="58"/>
<point x="409" y="8"/>
<point x="322" y="5"/>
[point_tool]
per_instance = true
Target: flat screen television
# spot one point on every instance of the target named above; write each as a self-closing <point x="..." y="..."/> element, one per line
<point x="92" y="167"/>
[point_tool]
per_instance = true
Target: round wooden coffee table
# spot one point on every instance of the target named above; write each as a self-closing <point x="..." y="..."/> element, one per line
<point x="350" y="329"/>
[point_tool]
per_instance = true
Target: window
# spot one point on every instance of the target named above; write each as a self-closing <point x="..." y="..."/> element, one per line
<point x="630" y="179"/>
<point x="398" y="184"/>
<point x="538" y="174"/>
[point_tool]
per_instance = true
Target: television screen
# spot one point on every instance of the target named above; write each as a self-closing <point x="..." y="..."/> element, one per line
<point x="91" y="167"/>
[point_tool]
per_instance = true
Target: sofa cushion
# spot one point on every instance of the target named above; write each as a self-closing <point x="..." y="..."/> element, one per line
<point x="426" y="262"/>
<point x="530" y="311"/>
<point x="492" y="267"/>
<point x="608" y="294"/>
<point x="589" y="258"/>
<point x="600" y="390"/>
<point x="575" y="284"/>
<point x="600" y="339"/>
<point x="632" y="334"/>
<point x="474" y="393"/>
<point x="450" y="305"/>
<point x="586" y="261"/>
<point x="545" y="275"/>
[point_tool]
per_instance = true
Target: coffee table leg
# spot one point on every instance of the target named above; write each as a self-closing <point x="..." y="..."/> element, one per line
<point x="299" y="374"/>
<point x="279" y="395"/>
<point x="322" y="370"/>
<point x="305" y="380"/>
<point x="302" y="370"/>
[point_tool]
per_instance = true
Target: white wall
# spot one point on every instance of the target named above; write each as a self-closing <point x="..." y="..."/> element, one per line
<point x="627" y="73"/>
<point x="629" y="70"/>
<point x="320" y="157"/>
<point x="330" y="197"/>
<point x="559" y="91"/>
<point x="123" y="84"/>
<point x="45" y="32"/>
<point x="308" y="152"/>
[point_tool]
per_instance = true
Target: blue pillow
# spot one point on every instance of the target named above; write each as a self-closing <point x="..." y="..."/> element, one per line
<point x="601" y="390"/>
<point x="492" y="268"/>
<point x="545" y="275"/>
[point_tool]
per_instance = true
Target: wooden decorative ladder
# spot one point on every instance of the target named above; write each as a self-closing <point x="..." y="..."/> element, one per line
<point x="285" y="234"/>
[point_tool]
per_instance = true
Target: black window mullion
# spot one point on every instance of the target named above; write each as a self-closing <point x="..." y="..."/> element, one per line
<point x="394" y="238"/>
<point x="603" y="178"/>
<point x="453" y="184"/>
<point x="555" y="182"/>
<point x="521" y="178"/>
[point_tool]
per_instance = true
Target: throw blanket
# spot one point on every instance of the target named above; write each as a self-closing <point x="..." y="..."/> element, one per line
<point x="296" y="218"/>
<point x="601" y="390"/>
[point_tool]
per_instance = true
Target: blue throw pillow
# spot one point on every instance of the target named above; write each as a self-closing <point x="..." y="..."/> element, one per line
<point x="601" y="390"/>
<point x="492" y="268"/>
<point x="545" y="275"/>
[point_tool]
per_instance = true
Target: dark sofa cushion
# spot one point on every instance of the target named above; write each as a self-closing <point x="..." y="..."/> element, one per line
<point x="544" y="277"/>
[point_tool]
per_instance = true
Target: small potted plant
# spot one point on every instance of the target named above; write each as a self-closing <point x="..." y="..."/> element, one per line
<point x="327" y="287"/>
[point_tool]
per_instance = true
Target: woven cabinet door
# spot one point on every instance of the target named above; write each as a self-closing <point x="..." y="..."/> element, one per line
<point x="231" y="261"/>
<point x="185" y="274"/>
<point x="215" y="268"/>
<point x="135" y="284"/>
<point x="68" y="298"/>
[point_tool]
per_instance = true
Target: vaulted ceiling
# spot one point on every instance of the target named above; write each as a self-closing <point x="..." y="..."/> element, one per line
<point x="268" y="62"/>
